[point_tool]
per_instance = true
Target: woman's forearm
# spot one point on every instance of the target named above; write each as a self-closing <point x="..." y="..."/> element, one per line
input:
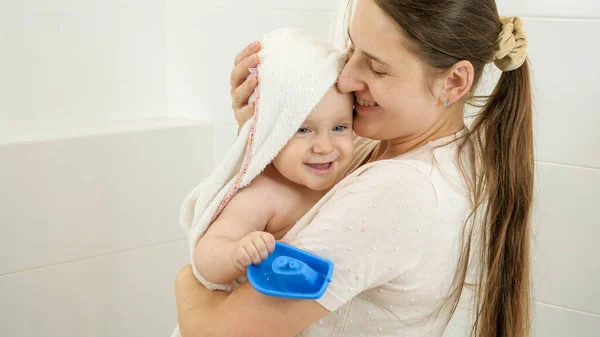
<point x="213" y="259"/>
<point x="195" y="304"/>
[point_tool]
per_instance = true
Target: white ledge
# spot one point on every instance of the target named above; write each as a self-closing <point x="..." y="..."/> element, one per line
<point x="17" y="133"/>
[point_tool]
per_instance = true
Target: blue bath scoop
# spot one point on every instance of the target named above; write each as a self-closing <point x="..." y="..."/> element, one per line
<point x="291" y="273"/>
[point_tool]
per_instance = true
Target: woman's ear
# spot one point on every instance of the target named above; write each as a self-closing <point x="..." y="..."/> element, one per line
<point x="459" y="80"/>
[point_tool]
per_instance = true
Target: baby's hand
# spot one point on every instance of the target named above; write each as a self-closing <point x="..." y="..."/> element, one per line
<point x="252" y="249"/>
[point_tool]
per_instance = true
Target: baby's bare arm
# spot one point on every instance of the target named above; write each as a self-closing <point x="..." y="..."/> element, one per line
<point x="246" y="213"/>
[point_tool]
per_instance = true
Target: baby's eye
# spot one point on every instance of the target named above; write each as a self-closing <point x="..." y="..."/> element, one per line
<point x="303" y="130"/>
<point x="340" y="128"/>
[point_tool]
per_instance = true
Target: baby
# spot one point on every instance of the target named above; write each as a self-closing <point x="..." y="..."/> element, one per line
<point x="287" y="156"/>
<point x="259" y="214"/>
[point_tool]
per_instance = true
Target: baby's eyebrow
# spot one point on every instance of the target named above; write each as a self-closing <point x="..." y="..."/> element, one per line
<point x="345" y="119"/>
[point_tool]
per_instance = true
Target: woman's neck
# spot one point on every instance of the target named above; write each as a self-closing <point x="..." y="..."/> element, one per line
<point x="388" y="149"/>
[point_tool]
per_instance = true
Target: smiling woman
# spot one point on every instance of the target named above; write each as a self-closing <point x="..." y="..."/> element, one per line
<point x="420" y="191"/>
<point x="392" y="86"/>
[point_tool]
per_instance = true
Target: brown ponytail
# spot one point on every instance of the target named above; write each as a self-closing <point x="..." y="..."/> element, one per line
<point x="502" y="135"/>
<point x="500" y="157"/>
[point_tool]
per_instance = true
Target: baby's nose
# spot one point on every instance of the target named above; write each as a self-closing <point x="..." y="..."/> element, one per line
<point x="323" y="145"/>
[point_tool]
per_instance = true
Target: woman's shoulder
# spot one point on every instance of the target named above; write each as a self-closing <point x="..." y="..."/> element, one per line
<point x="380" y="182"/>
<point x="434" y="164"/>
<point x="416" y="165"/>
<point x="434" y="168"/>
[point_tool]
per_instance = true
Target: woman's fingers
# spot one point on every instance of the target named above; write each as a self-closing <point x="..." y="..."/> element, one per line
<point x="242" y="85"/>
<point x="247" y="51"/>
<point x="247" y="58"/>
<point x="242" y="93"/>
<point x="244" y="114"/>
<point x="240" y="72"/>
<point x="239" y="101"/>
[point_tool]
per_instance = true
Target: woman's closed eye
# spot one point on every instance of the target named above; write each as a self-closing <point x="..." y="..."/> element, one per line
<point x="374" y="71"/>
<point x="350" y="53"/>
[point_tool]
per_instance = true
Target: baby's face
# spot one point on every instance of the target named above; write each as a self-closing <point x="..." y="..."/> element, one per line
<point x="323" y="146"/>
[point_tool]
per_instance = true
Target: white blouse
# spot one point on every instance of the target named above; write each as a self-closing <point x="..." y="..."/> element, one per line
<point x="392" y="229"/>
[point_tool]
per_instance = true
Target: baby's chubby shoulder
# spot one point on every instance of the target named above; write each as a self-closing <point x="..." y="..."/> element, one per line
<point x="263" y="184"/>
<point x="256" y="197"/>
<point x="263" y="188"/>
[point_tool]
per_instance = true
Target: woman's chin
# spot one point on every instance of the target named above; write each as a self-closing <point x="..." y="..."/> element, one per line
<point x="363" y="128"/>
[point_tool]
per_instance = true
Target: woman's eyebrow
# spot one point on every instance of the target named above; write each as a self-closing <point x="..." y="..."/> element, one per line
<point x="367" y="54"/>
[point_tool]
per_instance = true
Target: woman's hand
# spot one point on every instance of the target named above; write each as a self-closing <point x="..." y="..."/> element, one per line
<point x="242" y="85"/>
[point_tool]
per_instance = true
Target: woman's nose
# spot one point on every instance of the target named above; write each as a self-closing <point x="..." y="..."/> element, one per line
<point x="349" y="81"/>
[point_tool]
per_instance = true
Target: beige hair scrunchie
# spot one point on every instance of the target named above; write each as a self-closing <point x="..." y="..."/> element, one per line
<point x="511" y="46"/>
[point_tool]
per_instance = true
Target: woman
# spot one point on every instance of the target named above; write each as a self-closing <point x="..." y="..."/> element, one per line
<point x="426" y="198"/>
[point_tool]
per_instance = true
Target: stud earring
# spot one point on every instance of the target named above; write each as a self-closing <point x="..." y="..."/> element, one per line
<point x="447" y="103"/>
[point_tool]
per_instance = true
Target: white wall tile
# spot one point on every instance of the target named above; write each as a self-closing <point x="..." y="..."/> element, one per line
<point x="202" y="45"/>
<point x="557" y="322"/>
<point x="82" y="60"/>
<point x="79" y="197"/>
<point x="567" y="86"/>
<point x="225" y="135"/>
<point x="567" y="228"/>
<point x="554" y="8"/>
<point x="126" y="294"/>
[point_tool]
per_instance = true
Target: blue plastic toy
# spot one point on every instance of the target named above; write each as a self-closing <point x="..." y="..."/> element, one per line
<point x="291" y="273"/>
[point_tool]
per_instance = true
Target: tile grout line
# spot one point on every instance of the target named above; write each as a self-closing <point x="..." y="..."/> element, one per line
<point x="89" y="258"/>
<point x="568" y="166"/>
<point x="569" y="309"/>
<point x="562" y="18"/>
